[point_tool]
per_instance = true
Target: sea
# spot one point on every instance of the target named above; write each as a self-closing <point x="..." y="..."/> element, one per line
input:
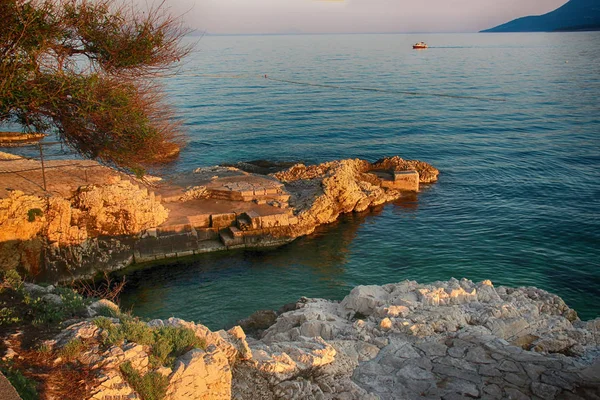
<point x="512" y="121"/>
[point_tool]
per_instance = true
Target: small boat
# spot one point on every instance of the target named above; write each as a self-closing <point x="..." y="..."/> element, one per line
<point x="420" y="45"/>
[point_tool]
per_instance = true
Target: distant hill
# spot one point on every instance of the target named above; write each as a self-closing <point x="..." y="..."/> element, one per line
<point x="576" y="15"/>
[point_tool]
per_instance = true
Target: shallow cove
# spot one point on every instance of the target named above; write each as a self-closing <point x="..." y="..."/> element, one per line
<point x="517" y="201"/>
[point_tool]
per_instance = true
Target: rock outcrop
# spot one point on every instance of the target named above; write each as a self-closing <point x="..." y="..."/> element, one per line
<point x="320" y="193"/>
<point x="454" y="339"/>
<point x="56" y="233"/>
<point x="111" y="225"/>
<point x="447" y="340"/>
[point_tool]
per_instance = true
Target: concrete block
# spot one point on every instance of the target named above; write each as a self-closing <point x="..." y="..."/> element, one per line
<point x="236" y="232"/>
<point x="406" y="180"/>
<point x="244" y="223"/>
<point x="222" y="220"/>
<point x="252" y="214"/>
<point x="253" y="217"/>
<point x="207" y="234"/>
<point x="229" y="239"/>
<point x="175" y="229"/>
<point x="209" y="246"/>
<point x="199" y="221"/>
<point x="224" y="195"/>
<point x="270" y="221"/>
<point x="152" y="232"/>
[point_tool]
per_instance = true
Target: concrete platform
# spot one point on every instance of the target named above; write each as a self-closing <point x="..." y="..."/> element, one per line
<point x="62" y="176"/>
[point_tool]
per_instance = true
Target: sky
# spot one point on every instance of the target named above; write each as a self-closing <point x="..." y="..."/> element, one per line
<point x="353" y="16"/>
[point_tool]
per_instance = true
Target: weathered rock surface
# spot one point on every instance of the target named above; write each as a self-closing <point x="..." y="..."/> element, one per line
<point x="57" y="233"/>
<point x="320" y="193"/>
<point x="454" y="339"/>
<point x="446" y="340"/>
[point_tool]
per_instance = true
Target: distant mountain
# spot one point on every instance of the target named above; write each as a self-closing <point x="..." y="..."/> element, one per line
<point x="576" y="15"/>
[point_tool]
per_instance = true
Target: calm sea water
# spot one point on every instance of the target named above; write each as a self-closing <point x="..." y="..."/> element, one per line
<point x="518" y="200"/>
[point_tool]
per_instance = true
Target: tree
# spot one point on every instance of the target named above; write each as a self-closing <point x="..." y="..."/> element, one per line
<point x="85" y="70"/>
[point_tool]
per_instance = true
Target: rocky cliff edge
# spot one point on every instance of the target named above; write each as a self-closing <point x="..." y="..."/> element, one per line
<point x="446" y="340"/>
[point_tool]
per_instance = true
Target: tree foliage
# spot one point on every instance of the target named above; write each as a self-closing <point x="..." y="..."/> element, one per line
<point x="85" y="69"/>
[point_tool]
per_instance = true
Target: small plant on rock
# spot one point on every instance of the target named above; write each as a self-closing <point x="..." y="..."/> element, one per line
<point x="33" y="213"/>
<point x="151" y="386"/>
<point x="72" y="349"/>
<point x="11" y="279"/>
<point x="165" y="343"/>
<point x="138" y="332"/>
<point x="103" y="323"/>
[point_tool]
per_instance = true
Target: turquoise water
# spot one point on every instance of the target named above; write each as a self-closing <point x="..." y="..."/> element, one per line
<point x="518" y="200"/>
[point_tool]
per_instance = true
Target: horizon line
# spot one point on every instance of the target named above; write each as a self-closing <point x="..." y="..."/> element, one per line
<point x="200" y="33"/>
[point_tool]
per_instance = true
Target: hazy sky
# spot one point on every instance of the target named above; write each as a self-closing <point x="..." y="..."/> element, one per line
<point x="331" y="16"/>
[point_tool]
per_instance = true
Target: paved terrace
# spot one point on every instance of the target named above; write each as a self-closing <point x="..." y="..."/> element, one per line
<point x="210" y="209"/>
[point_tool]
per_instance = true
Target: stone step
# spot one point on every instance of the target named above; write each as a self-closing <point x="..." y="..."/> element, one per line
<point x="244" y="223"/>
<point x="223" y="220"/>
<point x="263" y="199"/>
<point x="171" y="195"/>
<point x="259" y="197"/>
<point x="207" y="246"/>
<point x="199" y="220"/>
<point x="229" y="238"/>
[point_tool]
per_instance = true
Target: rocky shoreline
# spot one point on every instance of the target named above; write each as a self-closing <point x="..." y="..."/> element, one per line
<point x="92" y="218"/>
<point x="446" y="340"/>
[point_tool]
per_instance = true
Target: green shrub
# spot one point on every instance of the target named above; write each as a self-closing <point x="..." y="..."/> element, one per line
<point x="44" y="348"/>
<point x="45" y="312"/>
<point x="72" y="349"/>
<point x="73" y="303"/>
<point x="182" y="339"/>
<point x="107" y="312"/>
<point x="27" y="388"/>
<point x="8" y="316"/>
<point x="103" y="322"/>
<point x="152" y="386"/>
<point x="161" y="353"/>
<point x="171" y="342"/>
<point x="166" y="343"/>
<point x="138" y="332"/>
<point x="115" y="335"/>
<point x="12" y="279"/>
<point x="48" y="312"/>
